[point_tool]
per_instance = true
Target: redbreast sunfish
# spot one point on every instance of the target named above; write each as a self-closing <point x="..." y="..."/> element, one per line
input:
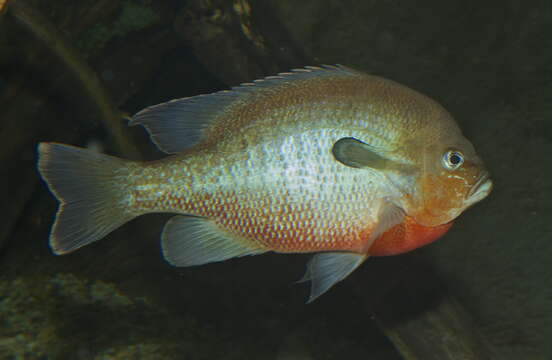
<point x="327" y="160"/>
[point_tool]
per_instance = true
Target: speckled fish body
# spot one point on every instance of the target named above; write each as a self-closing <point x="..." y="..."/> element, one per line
<point x="327" y="160"/>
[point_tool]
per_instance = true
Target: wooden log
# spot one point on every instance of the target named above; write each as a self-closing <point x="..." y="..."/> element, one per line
<point x="443" y="332"/>
<point x="417" y="313"/>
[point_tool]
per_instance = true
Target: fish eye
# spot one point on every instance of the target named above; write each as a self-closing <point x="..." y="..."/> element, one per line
<point x="453" y="159"/>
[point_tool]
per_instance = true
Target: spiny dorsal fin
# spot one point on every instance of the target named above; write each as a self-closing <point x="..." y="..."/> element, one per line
<point x="181" y="123"/>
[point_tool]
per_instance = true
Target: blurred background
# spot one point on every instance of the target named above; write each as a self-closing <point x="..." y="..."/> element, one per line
<point x="72" y="71"/>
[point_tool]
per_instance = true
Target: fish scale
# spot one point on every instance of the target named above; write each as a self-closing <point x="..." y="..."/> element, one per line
<point x="309" y="227"/>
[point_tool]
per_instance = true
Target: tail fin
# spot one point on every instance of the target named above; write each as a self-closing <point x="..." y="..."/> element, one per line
<point x="89" y="188"/>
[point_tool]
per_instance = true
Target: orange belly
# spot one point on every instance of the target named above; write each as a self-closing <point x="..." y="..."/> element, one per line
<point x="405" y="237"/>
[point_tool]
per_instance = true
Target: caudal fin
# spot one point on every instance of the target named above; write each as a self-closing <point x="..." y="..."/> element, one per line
<point x="88" y="187"/>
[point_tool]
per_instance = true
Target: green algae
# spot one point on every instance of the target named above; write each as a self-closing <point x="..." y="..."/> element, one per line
<point x="66" y="316"/>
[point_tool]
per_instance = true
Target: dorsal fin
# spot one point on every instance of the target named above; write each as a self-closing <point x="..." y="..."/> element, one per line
<point x="181" y="123"/>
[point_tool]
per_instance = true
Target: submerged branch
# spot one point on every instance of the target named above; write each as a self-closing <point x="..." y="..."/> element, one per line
<point x="41" y="28"/>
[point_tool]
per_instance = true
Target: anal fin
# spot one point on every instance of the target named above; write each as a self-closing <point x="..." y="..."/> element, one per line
<point x="189" y="241"/>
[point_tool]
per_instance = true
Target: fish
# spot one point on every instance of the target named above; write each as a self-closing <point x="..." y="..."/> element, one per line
<point x="326" y="160"/>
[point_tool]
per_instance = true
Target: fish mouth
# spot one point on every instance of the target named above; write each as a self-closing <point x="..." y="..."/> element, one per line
<point x="480" y="189"/>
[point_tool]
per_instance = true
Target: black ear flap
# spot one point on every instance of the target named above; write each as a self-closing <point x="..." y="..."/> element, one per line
<point x="354" y="153"/>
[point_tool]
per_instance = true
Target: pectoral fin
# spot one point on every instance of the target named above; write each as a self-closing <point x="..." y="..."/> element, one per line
<point x="354" y="153"/>
<point x="324" y="270"/>
<point x="357" y="154"/>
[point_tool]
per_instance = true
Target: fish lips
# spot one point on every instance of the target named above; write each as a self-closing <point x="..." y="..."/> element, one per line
<point x="480" y="189"/>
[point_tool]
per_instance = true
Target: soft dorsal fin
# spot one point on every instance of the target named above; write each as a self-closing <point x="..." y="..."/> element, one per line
<point x="181" y="123"/>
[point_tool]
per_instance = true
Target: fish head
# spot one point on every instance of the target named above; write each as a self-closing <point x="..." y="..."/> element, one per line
<point x="452" y="178"/>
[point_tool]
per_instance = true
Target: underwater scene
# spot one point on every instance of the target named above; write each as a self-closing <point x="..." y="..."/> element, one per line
<point x="277" y="179"/>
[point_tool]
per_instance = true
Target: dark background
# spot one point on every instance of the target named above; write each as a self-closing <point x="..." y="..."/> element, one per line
<point x="488" y="62"/>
